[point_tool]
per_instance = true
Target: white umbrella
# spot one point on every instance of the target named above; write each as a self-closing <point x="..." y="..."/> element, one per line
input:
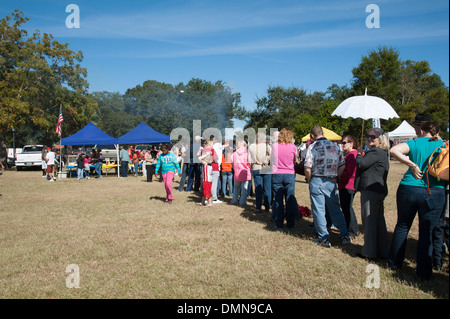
<point x="365" y="107"/>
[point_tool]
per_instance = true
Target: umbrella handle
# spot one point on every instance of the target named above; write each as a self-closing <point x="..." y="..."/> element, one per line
<point x="362" y="133"/>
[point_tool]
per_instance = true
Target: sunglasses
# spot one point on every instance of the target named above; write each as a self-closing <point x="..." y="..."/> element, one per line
<point x="343" y="143"/>
<point x="372" y="136"/>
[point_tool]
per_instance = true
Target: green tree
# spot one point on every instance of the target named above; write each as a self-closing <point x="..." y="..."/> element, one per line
<point x="379" y="72"/>
<point x="281" y="107"/>
<point x="423" y="92"/>
<point x="37" y="76"/>
<point x="408" y="86"/>
<point x="339" y="93"/>
<point x="111" y="116"/>
<point x="165" y="107"/>
<point x="322" y="116"/>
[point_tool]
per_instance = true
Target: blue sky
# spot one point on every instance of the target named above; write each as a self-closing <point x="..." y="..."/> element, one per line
<point x="250" y="45"/>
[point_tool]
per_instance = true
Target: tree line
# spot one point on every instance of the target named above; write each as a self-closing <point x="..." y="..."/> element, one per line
<point x="410" y="87"/>
<point x="38" y="75"/>
<point x="165" y="107"/>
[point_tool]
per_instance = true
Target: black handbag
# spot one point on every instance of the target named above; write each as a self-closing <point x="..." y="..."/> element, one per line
<point x="300" y="168"/>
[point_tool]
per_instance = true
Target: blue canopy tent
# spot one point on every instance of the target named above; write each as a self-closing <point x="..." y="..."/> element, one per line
<point x="91" y="135"/>
<point x="143" y="134"/>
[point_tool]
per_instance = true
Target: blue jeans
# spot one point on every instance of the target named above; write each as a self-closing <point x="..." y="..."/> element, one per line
<point x="346" y="197"/>
<point x="323" y="192"/>
<point x="194" y="177"/>
<point x="263" y="189"/>
<point x="411" y="200"/>
<point x="98" y="168"/>
<point x="284" y="188"/>
<point x="136" y="168"/>
<point x="80" y="173"/>
<point x="184" y="174"/>
<point x="227" y="177"/>
<point x="241" y="191"/>
<point x="124" y="168"/>
<point x="439" y="232"/>
<point x="250" y="186"/>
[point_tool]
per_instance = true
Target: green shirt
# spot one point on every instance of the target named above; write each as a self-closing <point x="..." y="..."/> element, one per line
<point x="124" y="156"/>
<point x="419" y="152"/>
<point x="167" y="162"/>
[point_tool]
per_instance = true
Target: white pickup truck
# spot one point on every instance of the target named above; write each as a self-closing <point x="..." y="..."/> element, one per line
<point x="31" y="156"/>
<point x="109" y="152"/>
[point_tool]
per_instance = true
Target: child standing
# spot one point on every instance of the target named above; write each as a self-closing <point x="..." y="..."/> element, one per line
<point x="136" y="163"/>
<point x="207" y="156"/>
<point x="87" y="166"/>
<point x="80" y="166"/>
<point x="168" y="163"/>
<point x="227" y="170"/>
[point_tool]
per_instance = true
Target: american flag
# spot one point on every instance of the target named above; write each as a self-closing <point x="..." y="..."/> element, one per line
<point x="60" y="120"/>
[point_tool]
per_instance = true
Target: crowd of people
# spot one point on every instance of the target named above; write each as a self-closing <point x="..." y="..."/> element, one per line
<point x="146" y="159"/>
<point x="92" y="164"/>
<point x="89" y="164"/>
<point x="335" y="172"/>
<point x="51" y="161"/>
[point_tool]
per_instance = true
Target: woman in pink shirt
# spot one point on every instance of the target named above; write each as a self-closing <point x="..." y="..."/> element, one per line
<point x="284" y="155"/>
<point x="346" y="184"/>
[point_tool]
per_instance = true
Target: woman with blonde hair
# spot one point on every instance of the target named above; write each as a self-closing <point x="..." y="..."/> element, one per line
<point x="259" y="157"/>
<point x="284" y="155"/>
<point x="371" y="177"/>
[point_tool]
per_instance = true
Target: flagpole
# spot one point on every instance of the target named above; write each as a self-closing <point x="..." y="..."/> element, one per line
<point x="60" y="146"/>
<point x="60" y="156"/>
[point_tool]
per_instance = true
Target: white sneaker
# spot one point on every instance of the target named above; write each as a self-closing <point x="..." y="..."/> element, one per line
<point x="217" y="201"/>
<point x="52" y="180"/>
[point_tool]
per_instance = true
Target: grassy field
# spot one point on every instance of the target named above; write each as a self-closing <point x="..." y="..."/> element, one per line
<point x="128" y="243"/>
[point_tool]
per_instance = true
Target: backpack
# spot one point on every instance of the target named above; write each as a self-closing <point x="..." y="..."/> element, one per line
<point x="438" y="164"/>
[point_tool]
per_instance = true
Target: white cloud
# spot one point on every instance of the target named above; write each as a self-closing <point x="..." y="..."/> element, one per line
<point x="178" y="23"/>
<point x="328" y="38"/>
<point x="253" y="28"/>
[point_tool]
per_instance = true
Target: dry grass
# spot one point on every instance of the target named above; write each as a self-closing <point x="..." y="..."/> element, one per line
<point x="129" y="244"/>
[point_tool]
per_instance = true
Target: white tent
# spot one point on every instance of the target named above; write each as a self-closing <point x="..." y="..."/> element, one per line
<point x="404" y="132"/>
